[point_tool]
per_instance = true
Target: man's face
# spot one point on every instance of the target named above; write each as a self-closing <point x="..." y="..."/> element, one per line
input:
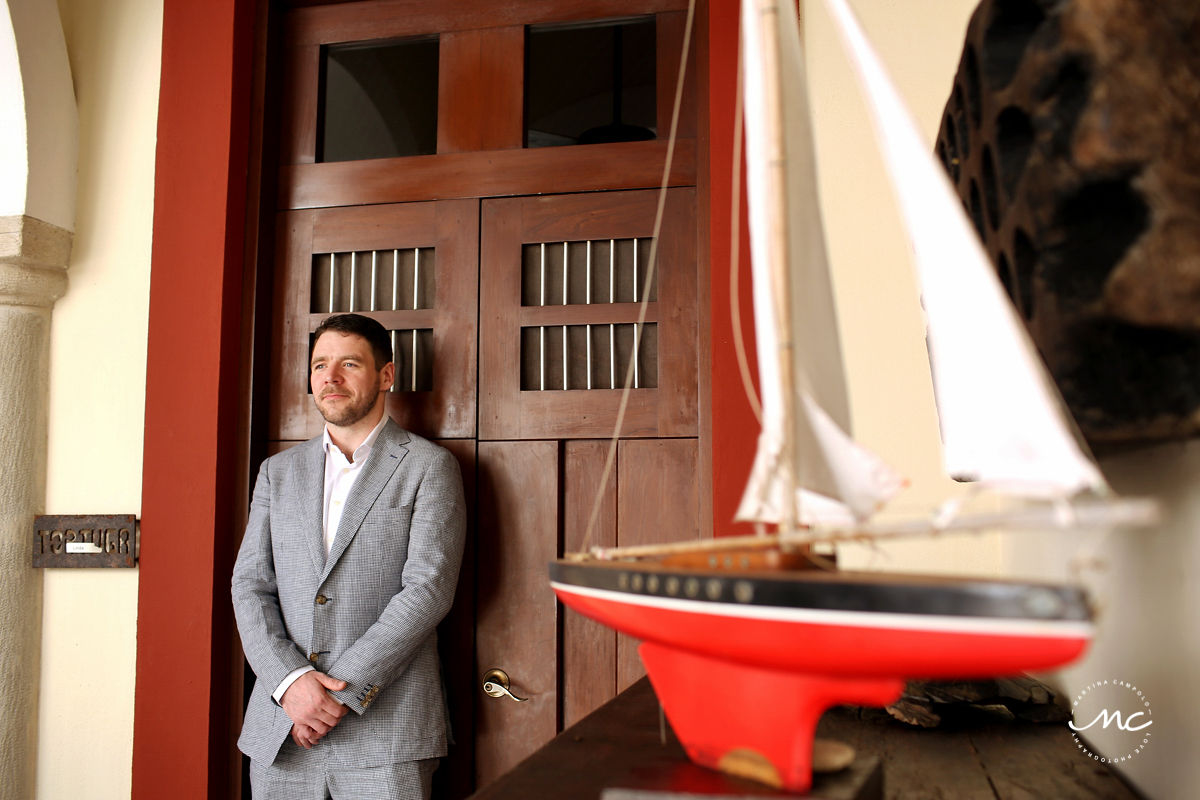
<point x="345" y="382"/>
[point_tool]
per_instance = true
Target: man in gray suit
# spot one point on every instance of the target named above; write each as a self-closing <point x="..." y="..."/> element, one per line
<point x="349" y="561"/>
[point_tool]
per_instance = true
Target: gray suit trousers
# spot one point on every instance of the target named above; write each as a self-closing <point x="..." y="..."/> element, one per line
<point x="299" y="774"/>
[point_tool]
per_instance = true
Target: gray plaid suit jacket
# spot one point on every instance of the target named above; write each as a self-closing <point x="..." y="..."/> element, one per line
<point x="367" y="614"/>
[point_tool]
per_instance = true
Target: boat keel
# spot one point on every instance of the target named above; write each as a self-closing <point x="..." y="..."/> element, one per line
<point x="751" y="721"/>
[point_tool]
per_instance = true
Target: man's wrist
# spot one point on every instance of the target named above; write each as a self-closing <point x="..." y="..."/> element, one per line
<point x="286" y="683"/>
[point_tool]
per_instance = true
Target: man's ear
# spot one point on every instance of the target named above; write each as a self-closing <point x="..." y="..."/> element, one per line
<point x="387" y="376"/>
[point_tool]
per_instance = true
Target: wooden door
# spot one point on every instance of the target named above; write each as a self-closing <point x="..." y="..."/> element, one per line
<point x="562" y="329"/>
<point x="537" y="464"/>
<point x="453" y="242"/>
<point x="414" y="268"/>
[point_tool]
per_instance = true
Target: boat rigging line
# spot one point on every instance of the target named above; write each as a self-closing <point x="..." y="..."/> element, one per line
<point x="651" y="268"/>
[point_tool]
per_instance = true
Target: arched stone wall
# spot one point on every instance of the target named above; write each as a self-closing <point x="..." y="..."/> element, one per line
<point x="38" y="148"/>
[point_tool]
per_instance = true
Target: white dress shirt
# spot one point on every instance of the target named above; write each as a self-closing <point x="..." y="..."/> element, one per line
<point x="340" y="475"/>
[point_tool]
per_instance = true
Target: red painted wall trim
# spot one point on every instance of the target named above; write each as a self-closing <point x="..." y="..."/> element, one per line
<point x="734" y="428"/>
<point x="181" y="730"/>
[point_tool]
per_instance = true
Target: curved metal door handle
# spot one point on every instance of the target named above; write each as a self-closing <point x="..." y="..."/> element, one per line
<point x="496" y="684"/>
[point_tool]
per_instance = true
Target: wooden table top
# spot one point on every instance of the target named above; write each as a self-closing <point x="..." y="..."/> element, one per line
<point x="619" y="753"/>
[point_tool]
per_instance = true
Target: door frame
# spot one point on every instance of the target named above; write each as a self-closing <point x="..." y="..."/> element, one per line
<point x="186" y="687"/>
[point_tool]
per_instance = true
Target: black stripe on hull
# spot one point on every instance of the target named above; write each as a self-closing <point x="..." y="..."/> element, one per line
<point x="835" y="591"/>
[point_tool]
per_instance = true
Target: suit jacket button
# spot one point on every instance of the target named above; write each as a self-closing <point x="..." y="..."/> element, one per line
<point x="322" y="599"/>
<point x="313" y="657"/>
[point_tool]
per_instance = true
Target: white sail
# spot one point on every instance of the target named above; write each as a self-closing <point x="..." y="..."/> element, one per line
<point x="803" y="447"/>
<point x="1002" y="420"/>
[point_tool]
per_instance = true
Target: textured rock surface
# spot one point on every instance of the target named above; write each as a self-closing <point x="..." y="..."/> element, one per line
<point x="1073" y="136"/>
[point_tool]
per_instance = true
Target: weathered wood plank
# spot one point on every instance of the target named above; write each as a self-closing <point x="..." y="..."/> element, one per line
<point x="918" y="764"/>
<point x="616" y="754"/>
<point x="619" y="747"/>
<point x="1032" y="761"/>
<point x="516" y="616"/>
<point x="657" y="501"/>
<point x="974" y="756"/>
<point x="589" y="648"/>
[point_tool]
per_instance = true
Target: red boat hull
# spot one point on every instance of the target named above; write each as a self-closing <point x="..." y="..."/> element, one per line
<point x="861" y="644"/>
<point x="744" y="685"/>
<point x="749" y="721"/>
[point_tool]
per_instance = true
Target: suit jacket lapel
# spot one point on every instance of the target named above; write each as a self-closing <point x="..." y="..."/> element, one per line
<point x="386" y="455"/>
<point x="310" y="489"/>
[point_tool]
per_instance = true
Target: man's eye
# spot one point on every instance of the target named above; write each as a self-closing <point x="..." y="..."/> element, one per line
<point x="316" y="367"/>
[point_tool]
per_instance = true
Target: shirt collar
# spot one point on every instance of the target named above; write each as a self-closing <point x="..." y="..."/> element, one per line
<point x="360" y="452"/>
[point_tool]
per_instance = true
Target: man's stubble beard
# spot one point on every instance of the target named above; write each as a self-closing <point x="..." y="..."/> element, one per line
<point x="350" y="414"/>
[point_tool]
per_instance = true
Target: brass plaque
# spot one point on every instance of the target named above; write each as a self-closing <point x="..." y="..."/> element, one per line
<point x="104" y="540"/>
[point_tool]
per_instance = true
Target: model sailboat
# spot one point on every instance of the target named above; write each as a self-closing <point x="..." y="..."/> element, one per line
<point x="745" y="659"/>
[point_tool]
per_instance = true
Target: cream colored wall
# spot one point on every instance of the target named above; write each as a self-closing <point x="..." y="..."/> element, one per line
<point x="97" y="391"/>
<point x="1144" y="585"/>
<point x="891" y="392"/>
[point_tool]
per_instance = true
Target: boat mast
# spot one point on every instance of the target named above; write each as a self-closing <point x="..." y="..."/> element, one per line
<point x="760" y="49"/>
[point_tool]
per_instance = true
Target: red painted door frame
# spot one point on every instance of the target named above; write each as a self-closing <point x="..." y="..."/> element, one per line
<point x="734" y="426"/>
<point x="181" y="723"/>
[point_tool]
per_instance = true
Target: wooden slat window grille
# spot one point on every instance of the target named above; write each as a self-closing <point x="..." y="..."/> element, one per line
<point x="413" y="353"/>
<point x="594" y="355"/>
<point x="588" y="356"/>
<point x="373" y="280"/>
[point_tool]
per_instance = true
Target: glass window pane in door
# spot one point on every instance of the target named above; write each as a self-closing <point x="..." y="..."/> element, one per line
<point x="378" y="100"/>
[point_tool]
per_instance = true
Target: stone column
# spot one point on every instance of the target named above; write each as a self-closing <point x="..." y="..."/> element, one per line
<point x="33" y="262"/>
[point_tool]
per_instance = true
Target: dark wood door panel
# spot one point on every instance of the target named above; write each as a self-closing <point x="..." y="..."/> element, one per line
<point x="456" y="645"/>
<point x="516" y="612"/>
<point x="480" y="106"/>
<point x="509" y="411"/>
<point x="323" y="24"/>
<point x="651" y="497"/>
<point x="290" y="404"/>
<point x="302" y="73"/>
<point x="493" y="173"/>
<point x="480" y="84"/>
<point x="589" y="649"/>
<point x="657" y="501"/>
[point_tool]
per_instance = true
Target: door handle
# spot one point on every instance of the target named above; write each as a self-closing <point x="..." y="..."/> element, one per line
<point x="496" y="684"/>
